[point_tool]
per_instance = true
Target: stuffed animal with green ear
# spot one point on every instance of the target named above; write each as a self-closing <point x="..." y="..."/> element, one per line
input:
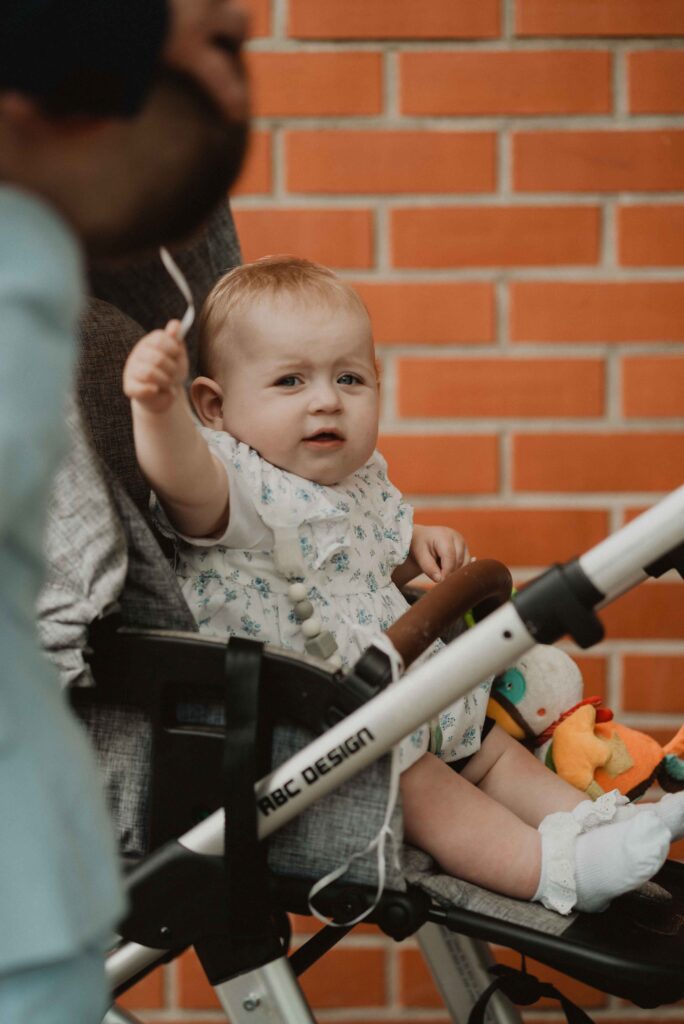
<point x="539" y="701"/>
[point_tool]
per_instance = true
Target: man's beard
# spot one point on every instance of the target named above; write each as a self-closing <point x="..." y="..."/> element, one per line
<point x="185" y="164"/>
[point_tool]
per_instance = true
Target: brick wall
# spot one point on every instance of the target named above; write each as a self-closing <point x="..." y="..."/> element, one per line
<point x="504" y="182"/>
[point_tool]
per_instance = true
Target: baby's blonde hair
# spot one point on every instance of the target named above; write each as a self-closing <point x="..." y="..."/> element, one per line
<point x="268" y="277"/>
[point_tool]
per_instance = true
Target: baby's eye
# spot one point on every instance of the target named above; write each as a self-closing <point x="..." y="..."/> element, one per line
<point x="349" y="378"/>
<point x="291" y="381"/>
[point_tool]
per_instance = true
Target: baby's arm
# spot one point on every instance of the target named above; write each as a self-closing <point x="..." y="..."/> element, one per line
<point x="191" y="484"/>
<point x="435" y="550"/>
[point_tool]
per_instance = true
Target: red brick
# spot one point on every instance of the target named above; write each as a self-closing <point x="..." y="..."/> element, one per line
<point x="599" y="18"/>
<point x="394" y="19"/>
<point x="306" y="926"/>
<point x="522" y="536"/>
<point x="416" y="986"/>
<point x="255" y="178"/>
<point x="148" y="994"/>
<point x="577" y="991"/>
<point x="347" y="977"/>
<point x="651" y="236"/>
<point x="390" y="162"/>
<point x="433" y="312"/>
<point x="597" y="311"/>
<point x="676" y="853"/>
<point x="594" y="674"/>
<point x="523" y="82"/>
<point x="653" y="386"/>
<point x="259" y="17"/>
<point x="442" y="464"/>
<point x="598" y="462"/>
<point x="316" y="84"/>
<point x="337" y="238"/>
<point x="653" y="683"/>
<point x="656" y="81"/>
<point x="500" y="387"/>
<point x="598" y="161"/>
<point x="494" y="236"/>
<point x="652" y="611"/>
<point x="194" y="990"/>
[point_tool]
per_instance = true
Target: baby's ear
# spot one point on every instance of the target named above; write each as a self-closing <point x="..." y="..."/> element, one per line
<point x="207" y="399"/>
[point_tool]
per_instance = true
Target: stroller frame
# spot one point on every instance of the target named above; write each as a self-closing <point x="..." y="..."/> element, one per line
<point x="560" y="602"/>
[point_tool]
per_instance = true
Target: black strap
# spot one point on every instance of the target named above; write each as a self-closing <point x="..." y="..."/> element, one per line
<point x="244" y="761"/>
<point x="524" y="989"/>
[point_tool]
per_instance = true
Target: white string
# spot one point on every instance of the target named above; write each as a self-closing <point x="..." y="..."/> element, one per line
<point x="179" y="280"/>
<point x="384" y="644"/>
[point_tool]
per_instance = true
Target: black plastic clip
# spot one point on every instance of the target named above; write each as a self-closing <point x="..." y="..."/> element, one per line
<point x="561" y="602"/>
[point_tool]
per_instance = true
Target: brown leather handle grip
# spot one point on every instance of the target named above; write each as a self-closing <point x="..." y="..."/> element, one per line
<point x="428" y="618"/>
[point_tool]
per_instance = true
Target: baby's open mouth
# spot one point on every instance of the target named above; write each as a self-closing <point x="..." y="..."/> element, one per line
<point x="325" y="437"/>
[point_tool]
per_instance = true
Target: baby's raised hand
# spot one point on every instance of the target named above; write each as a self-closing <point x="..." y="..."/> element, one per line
<point x="438" y="551"/>
<point x="157" y="369"/>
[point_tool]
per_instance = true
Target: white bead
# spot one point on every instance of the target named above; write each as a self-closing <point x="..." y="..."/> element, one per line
<point x="297" y="592"/>
<point x="334" y="661"/>
<point x="304" y="610"/>
<point x="312" y="626"/>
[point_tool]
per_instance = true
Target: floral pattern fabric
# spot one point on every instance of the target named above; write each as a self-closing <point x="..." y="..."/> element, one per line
<point x="351" y="537"/>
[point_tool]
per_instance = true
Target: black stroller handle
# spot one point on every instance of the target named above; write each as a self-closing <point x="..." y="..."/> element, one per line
<point x="484" y="583"/>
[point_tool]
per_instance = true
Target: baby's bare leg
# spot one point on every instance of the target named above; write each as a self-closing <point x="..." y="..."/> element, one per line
<point x="468" y="832"/>
<point x="508" y="773"/>
<point x="480" y="826"/>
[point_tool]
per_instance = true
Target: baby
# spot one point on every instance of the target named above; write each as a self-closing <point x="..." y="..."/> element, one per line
<point x="280" y="481"/>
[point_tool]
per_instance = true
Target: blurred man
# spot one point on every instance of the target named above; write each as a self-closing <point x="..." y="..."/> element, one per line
<point x="74" y="174"/>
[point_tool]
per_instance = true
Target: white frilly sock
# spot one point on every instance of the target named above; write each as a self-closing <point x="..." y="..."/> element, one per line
<point x="585" y="870"/>
<point x="670" y="810"/>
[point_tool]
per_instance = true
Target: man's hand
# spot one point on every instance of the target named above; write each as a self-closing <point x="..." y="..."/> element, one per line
<point x="438" y="551"/>
<point x="157" y="369"/>
<point x="204" y="41"/>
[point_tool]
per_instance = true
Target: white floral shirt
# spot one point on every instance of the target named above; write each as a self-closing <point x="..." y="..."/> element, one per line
<point x="351" y="536"/>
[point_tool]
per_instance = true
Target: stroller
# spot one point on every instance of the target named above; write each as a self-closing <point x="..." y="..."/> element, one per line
<point x="165" y="699"/>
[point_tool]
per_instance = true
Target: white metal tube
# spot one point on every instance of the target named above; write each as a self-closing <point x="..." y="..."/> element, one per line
<point x="617" y="563"/>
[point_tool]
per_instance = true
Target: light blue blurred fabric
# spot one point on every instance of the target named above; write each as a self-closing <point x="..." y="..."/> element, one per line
<point x="59" y="885"/>
<point x="67" y="992"/>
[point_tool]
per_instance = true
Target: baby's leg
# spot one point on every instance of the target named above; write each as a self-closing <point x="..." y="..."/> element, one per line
<point x="608" y="861"/>
<point x="508" y="773"/>
<point x="473" y="835"/>
<point x="470" y="835"/>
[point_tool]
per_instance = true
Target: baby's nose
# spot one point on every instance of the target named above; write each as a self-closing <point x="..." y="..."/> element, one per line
<point x="325" y="397"/>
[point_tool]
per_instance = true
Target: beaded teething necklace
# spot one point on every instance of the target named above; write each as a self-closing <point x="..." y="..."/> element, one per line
<point x="288" y="560"/>
<point x="319" y="642"/>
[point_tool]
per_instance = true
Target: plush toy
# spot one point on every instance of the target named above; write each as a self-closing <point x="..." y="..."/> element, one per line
<point x="539" y="701"/>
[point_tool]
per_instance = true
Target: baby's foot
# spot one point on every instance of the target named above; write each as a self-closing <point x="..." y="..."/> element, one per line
<point x="670" y="810"/>
<point x="617" y="858"/>
<point x="586" y="871"/>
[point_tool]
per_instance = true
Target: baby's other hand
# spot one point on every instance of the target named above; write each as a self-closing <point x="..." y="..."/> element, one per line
<point x="438" y="550"/>
<point x="157" y="369"/>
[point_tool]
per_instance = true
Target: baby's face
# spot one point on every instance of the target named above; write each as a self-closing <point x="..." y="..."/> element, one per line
<point x="300" y="386"/>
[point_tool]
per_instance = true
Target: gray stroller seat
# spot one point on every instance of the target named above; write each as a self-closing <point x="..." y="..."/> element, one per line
<point x="112" y="614"/>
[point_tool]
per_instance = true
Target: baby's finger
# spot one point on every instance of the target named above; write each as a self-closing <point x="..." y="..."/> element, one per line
<point x="139" y="391"/>
<point x="461" y="551"/>
<point x="446" y="553"/>
<point x="158" y="375"/>
<point x="173" y="330"/>
<point x="427" y="563"/>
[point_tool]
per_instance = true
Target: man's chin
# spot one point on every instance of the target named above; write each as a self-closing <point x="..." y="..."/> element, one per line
<point x="186" y="158"/>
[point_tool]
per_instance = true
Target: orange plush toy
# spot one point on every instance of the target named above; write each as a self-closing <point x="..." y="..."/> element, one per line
<point x="539" y="701"/>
